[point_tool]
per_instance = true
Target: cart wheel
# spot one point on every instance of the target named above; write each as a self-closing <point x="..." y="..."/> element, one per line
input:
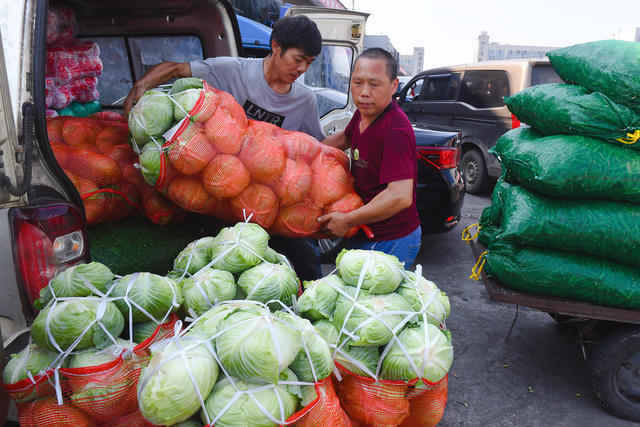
<point x="614" y="371"/>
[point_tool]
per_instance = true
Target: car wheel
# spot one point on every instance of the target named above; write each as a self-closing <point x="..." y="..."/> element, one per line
<point x="614" y="373"/>
<point x="474" y="171"/>
<point x="329" y="249"/>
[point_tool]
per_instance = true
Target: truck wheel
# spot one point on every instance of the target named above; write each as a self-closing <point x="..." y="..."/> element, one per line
<point x="614" y="373"/>
<point x="474" y="171"/>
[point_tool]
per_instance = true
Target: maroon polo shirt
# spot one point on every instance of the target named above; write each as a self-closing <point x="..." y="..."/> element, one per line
<point x="386" y="152"/>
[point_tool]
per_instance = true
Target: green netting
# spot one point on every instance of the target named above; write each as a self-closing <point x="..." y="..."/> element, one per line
<point x="564" y="274"/>
<point x="560" y="108"/>
<point x="486" y="233"/>
<point x="607" y="66"/>
<point x="597" y="227"/>
<point x="492" y="214"/>
<point x="569" y="165"/>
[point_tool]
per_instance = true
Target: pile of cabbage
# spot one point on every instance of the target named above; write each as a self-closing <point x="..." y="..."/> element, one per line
<point x="381" y="321"/>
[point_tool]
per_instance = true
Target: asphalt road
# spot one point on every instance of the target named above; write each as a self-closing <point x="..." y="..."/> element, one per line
<point x="538" y="378"/>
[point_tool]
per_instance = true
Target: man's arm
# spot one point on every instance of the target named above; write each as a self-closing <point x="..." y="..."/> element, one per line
<point x="396" y="197"/>
<point x="156" y="75"/>
<point x="338" y="140"/>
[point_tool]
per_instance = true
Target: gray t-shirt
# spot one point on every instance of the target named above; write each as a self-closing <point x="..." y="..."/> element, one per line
<point x="243" y="78"/>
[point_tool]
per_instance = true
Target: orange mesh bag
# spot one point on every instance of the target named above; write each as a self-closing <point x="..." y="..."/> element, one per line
<point x="94" y="201"/>
<point x="108" y="115"/>
<point x="257" y="200"/>
<point x="299" y="220"/>
<point x="134" y="419"/>
<point x="225" y="129"/>
<point x="221" y="209"/>
<point x="225" y="176"/>
<point x="294" y="183"/>
<point x="189" y="194"/>
<point x="298" y="145"/>
<point x="76" y="131"/>
<point x="61" y="152"/>
<point x="96" y="167"/>
<point x="54" y="128"/>
<point x="426" y="404"/>
<point x="190" y="151"/>
<point x="47" y="412"/>
<point x="326" y="411"/>
<point x="261" y="153"/>
<point x="331" y="180"/>
<point x="156" y="207"/>
<point x="348" y="203"/>
<point x="120" y="202"/>
<point x="111" y="136"/>
<point x="121" y="153"/>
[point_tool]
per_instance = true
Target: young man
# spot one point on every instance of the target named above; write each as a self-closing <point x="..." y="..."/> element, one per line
<point x="268" y="91"/>
<point x="383" y="162"/>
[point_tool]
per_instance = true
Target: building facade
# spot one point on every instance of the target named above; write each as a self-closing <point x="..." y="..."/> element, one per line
<point x="492" y="51"/>
<point x="412" y="64"/>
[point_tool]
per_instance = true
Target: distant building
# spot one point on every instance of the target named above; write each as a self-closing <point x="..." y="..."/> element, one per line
<point x="632" y="35"/>
<point x="383" y="42"/>
<point x="492" y="51"/>
<point x="412" y="64"/>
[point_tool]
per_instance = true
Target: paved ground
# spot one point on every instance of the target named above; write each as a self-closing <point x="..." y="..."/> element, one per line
<point x="539" y="378"/>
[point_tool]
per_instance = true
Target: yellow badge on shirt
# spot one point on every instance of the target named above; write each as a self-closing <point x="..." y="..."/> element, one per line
<point x="356" y="154"/>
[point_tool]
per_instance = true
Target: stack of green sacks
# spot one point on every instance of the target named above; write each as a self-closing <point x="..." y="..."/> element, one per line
<point x="564" y="218"/>
<point x="80" y="109"/>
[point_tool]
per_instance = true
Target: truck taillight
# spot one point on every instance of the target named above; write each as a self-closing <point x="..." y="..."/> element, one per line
<point x="47" y="239"/>
<point x="440" y="157"/>
<point x="515" y="123"/>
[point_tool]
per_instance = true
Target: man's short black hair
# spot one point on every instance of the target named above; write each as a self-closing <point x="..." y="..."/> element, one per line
<point x="297" y="31"/>
<point x="378" y="53"/>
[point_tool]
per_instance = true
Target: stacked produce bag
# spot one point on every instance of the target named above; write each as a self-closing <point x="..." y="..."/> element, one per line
<point x="197" y="146"/>
<point x="565" y="217"/>
<point x="95" y="155"/>
<point x="73" y="65"/>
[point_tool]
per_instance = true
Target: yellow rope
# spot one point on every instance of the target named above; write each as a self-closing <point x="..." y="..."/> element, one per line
<point x="631" y="138"/>
<point x="466" y="233"/>
<point x="477" y="269"/>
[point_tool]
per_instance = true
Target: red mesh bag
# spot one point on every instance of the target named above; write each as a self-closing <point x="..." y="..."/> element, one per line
<point x="262" y="153"/>
<point x="77" y="131"/>
<point x="93" y="200"/>
<point x="299" y="220"/>
<point x="190" y="151"/>
<point x="111" y="136"/>
<point x="325" y="411"/>
<point x="54" y="128"/>
<point x="259" y="200"/>
<point x="97" y="167"/>
<point x="134" y="419"/>
<point x="426" y="406"/>
<point x="348" y="203"/>
<point x="298" y="145"/>
<point x="122" y="154"/>
<point x="189" y="194"/>
<point x="73" y="59"/>
<point x="225" y="176"/>
<point x="47" y="412"/>
<point x="294" y="183"/>
<point x="108" y="115"/>
<point x="61" y="152"/>
<point x="225" y="129"/>
<point x="158" y="208"/>
<point x="120" y="202"/>
<point x="331" y="180"/>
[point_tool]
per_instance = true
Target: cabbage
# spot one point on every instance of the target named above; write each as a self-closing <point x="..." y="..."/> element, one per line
<point x="279" y="401"/>
<point x="166" y="393"/>
<point x="382" y="275"/>
<point x="144" y="330"/>
<point x="185" y="83"/>
<point x="195" y="256"/>
<point x="256" y="348"/>
<point x="184" y="102"/>
<point x="418" y="291"/>
<point x="150" y="117"/>
<point x="75" y="282"/>
<point x="240" y="247"/>
<point x="148" y="296"/>
<point x="427" y="347"/>
<point x="266" y="282"/>
<point x="31" y="359"/>
<point x="317" y="350"/>
<point x="275" y="258"/>
<point x="96" y="356"/>
<point x="150" y="160"/>
<point x="206" y="288"/>
<point x="319" y="298"/>
<point x="208" y="323"/>
<point x="69" y="319"/>
<point x="370" y="331"/>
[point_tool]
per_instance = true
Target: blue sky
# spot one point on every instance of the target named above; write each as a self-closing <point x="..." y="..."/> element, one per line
<point x="448" y="30"/>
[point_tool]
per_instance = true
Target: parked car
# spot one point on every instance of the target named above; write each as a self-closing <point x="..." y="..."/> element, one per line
<point x="469" y="99"/>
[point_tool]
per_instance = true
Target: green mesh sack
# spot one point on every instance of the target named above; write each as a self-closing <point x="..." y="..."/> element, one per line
<point x="486" y="233"/>
<point x="598" y="227"/>
<point x="564" y="274"/>
<point x="559" y="108"/>
<point x="492" y="214"/>
<point x="571" y="166"/>
<point x="607" y="66"/>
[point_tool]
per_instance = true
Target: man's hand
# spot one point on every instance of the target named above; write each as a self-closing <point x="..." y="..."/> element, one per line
<point x="336" y="224"/>
<point x="134" y="95"/>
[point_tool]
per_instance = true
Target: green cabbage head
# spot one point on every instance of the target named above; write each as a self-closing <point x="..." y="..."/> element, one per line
<point x="206" y="288"/>
<point x="266" y="282"/>
<point x="381" y="273"/>
<point x="430" y="351"/>
<point x="184" y="102"/>
<point x="69" y="319"/>
<point x="317" y="353"/>
<point x="150" y="160"/>
<point x="208" y="323"/>
<point x="195" y="256"/>
<point x="143" y="331"/>
<point x="319" y="298"/>
<point x="150" y="117"/>
<point x="96" y="356"/>
<point x="31" y="359"/>
<point x="75" y="282"/>
<point x="240" y="247"/>
<point x="256" y="348"/>
<point x="150" y="296"/>
<point x="418" y="291"/>
<point x="245" y="411"/>
<point x="275" y="258"/>
<point x="185" y="83"/>
<point x="166" y="393"/>
<point x="371" y="331"/>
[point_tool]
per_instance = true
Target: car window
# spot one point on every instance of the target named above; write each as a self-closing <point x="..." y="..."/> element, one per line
<point x="149" y="51"/>
<point x="115" y="81"/>
<point x="328" y="77"/>
<point x="484" y="89"/>
<point x="434" y="88"/>
<point x="543" y="74"/>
